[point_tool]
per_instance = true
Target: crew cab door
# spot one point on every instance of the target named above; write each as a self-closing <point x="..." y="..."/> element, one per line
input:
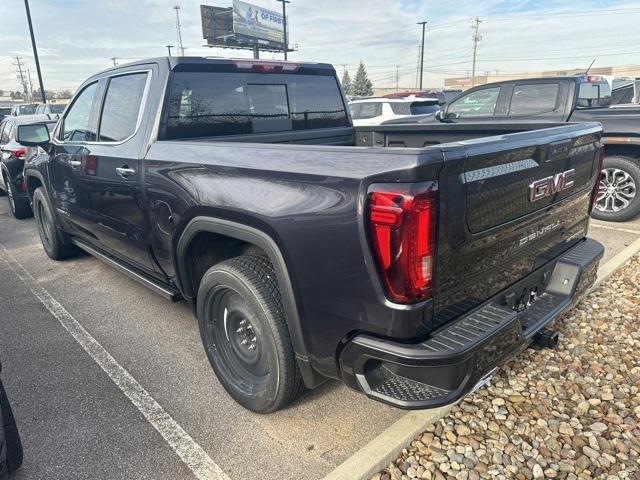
<point x="105" y="204"/>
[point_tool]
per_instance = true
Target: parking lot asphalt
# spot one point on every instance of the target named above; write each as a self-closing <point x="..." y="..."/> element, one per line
<point x="76" y="422"/>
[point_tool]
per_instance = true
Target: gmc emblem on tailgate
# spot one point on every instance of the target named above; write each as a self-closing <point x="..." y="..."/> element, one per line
<point x="546" y="187"/>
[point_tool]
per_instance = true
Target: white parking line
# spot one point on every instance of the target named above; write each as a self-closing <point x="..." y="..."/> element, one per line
<point x="192" y="454"/>
<point x="617" y="229"/>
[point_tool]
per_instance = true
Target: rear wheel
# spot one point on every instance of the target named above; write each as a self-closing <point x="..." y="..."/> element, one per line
<point x="618" y="197"/>
<point x="54" y="241"/>
<point x="245" y="335"/>
<point x="20" y="207"/>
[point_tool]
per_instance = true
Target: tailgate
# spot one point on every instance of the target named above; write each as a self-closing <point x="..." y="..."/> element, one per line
<point x="510" y="204"/>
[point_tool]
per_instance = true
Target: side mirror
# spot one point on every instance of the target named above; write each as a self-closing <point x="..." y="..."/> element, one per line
<point x="447" y="117"/>
<point x="35" y="135"/>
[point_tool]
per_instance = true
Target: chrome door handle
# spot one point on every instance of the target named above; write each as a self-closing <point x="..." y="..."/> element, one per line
<point x="125" y="171"/>
<point x="75" y="164"/>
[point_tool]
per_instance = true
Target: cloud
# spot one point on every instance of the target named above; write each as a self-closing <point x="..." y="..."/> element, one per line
<point x="78" y="37"/>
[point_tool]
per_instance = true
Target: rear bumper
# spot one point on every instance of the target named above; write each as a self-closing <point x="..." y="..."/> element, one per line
<point x="462" y="355"/>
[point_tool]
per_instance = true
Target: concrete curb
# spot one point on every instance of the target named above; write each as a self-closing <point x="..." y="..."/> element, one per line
<point x="609" y="268"/>
<point x="382" y="450"/>
<point x="377" y="454"/>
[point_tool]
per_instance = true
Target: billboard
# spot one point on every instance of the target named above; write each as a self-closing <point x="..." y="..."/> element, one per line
<point x="258" y="23"/>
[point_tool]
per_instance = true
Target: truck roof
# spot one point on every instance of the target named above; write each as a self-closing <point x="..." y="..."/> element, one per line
<point x="175" y="62"/>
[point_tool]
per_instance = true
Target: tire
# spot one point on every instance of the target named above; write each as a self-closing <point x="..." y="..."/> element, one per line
<point x="619" y="194"/>
<point x="20" y="207"/>
<point x="55" y="242"/>
<point x="12" y="437"/>
<point x="245" y="334"/>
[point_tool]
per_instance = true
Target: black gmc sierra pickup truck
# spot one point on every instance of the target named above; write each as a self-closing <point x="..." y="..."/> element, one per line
<point x="577" y="98"/>
<point x="408" y="265"/>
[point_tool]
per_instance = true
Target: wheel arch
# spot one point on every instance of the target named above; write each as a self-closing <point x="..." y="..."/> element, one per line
<point x="617" y="149"/>
<point x="34" y="180"/>
<point x="266" y="243"/>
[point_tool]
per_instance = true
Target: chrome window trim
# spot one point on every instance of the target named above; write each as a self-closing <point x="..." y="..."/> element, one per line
<point x="141" y="110"/>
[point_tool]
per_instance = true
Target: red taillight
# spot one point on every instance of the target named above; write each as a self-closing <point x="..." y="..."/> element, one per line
<point x="23" y="186"/>
<point x="18" y="152"/>
<point x="596" y="187"/>
<point x="402" y="228"/>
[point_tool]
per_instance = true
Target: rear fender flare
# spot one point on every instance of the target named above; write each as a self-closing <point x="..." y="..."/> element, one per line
<point x="255" y="237"/>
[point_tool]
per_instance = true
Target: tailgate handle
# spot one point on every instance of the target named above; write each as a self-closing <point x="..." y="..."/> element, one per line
<point x="559" y="150"/>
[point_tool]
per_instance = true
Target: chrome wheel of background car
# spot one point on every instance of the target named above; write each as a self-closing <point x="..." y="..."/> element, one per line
<point x="617" y="190"/>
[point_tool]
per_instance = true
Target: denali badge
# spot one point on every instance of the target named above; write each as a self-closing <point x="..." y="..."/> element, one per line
<point x="546" y="187"/>
<point x="539" y="233"/>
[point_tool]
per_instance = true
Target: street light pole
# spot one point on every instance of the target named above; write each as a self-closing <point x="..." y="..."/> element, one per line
<point x="169" y="47"/>
<point x="424" y="24"/>
<point x="284" y="23"/>
<point x="35" y="52"/>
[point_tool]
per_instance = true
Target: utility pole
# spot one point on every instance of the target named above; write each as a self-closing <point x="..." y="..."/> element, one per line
<point x="169" y="47"/>
<point x="21" y="77"/>
<point x="113" y="59"/>
<point x="476" y="39"/>
<point x="30" y="82"/>
<point x="418" y="66"/>
<point x="179" y="30"/>
<point x="397" y="77"/>
<point x="424" y="24"/>
<point x="284" y="24"/>
<point x="35" y="52"/>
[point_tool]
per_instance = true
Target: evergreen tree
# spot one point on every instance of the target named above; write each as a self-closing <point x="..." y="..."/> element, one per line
<point x="361" y="85"/>
<point x="346" y="83"/>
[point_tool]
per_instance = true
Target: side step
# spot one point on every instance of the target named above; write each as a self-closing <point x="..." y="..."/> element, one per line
<point x="164" y="290"/>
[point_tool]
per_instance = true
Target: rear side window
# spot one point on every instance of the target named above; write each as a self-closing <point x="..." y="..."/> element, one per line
<point x="364" y="110"/>
<point x="535" y="98"/>
<point x="400" y="108"/>
<point x="480" y="103"/>
<point x="57" y="107"/>
<point x="205" y="104"/>
<point x="6" y="131"/>
<point x="121" y="107"/>
<point x="423" y="108"/>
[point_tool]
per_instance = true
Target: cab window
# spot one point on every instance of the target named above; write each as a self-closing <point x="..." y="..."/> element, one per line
<point x="77" y="126"/>
<point x="534" y="98"/>
<point x="481" y="103"/>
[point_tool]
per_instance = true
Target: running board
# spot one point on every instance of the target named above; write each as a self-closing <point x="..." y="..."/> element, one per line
<point x="164" y="290"/>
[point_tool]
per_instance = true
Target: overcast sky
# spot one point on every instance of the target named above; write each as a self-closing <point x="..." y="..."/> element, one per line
<point x="77" y="38"/>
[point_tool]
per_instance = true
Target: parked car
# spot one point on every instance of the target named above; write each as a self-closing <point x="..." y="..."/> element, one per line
<point x="580" y="98"/>
<point x="378" y="110"/>
<point x="24" y="109"/>
<point x="53" y="109"/>
<point x="12" y="157"/>
<point x="308" y="249"/>
<point x="4" y="112"/>
<point x="11" y="454"/>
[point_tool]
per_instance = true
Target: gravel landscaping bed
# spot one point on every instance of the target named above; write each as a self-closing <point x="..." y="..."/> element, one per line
<point x="570" y="413"/>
